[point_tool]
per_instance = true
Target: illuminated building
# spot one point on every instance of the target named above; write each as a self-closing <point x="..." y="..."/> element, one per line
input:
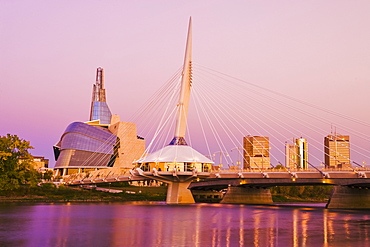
<point x="291" y="156"/>
<point x="296" y="155"/>
<point x="256" y="152"/>
<point x="336" y="150"/>
<point x="102" y="142"/>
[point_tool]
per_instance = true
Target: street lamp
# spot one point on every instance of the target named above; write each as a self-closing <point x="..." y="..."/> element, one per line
<point x="238" y="151"/>
<point x="221" y="153"/>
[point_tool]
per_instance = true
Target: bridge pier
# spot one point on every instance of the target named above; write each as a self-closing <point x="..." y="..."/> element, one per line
<point x="178" y="193"/>
<point x="247" y="195"/>
<point x="344" y="197"/>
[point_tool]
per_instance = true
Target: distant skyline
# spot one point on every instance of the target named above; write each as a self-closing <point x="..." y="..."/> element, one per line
<point x="317" y="51"/>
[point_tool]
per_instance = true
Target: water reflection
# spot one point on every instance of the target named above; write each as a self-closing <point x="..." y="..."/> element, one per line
<point x="325" y="227"/>
<point x="295" y="228"/>
<point x="158" y="224"/>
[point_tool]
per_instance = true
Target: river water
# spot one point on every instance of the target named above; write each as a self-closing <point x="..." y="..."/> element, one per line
<point x="158" y="224"/>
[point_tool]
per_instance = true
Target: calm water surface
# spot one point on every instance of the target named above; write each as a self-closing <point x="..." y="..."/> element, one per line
<point x="157" y="224"/>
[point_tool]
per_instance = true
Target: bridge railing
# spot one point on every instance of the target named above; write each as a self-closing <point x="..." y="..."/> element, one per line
<point x="116" y="172"/>
<point x="98" y="174"/>
<point x="292" y="170"/>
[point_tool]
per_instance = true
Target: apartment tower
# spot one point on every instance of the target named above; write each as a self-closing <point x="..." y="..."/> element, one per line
<point x="336" y="150"/>
<point x="256" y="152"/>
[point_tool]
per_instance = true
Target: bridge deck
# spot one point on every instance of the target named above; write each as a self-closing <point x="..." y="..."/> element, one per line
<point x="223" y="178"/>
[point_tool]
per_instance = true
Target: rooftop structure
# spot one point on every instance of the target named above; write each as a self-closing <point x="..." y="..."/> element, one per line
<point x="99" y="108"/>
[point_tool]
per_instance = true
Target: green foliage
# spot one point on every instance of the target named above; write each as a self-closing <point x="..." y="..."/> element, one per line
<point x="280" y="167"/>
<point x="48" y="175"/>
<point x="16" y="163"/>
<point x="48" y="192"/>
<point x="307" y="193"/>
<point x="47" y="186"/>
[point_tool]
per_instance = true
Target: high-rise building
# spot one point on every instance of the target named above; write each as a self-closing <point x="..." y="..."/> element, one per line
<point x="291" y="156"/>
<point x="336" y="150"/>
<point x="256" y="152"/>
<point x="102" y="142"/>
<point x="296" y="154"/>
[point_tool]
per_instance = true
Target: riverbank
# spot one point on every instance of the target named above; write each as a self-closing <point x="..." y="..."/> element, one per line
<point x="289" y="199"/>
<point x="308" y="193"/>
<point x="50" y="193"/>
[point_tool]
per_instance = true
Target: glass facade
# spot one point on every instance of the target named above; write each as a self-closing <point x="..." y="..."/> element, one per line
<point x="337" y="151"/>
<point x="84" y="145"/>
<point x="100" y="110"/>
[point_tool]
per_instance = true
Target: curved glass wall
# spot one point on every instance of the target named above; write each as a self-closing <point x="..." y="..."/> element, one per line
<point x="83" y="145"/>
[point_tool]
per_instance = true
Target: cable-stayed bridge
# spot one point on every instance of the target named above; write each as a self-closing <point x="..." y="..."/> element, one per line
<point x="221" y="111"/>
<point x="249" y="187"/>
<point x="224" y="109"/>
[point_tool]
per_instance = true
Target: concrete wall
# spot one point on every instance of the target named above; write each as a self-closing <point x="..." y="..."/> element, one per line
<point x="349" y="198"/>
<point x="131" y="148"/>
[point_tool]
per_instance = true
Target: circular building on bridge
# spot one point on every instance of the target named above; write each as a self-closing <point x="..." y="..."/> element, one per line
<point x="176" y="157"/>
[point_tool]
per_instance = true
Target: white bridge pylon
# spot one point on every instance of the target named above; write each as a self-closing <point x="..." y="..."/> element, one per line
<point x="178" y="164"/>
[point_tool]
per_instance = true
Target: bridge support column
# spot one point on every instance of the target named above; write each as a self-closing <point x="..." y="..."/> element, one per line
<point x="247" y="195"/>
<point x="178" y="193"/>
<point x="349" y="198"/>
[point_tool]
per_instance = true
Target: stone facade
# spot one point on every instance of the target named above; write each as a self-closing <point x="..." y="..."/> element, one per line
<point x="131" y="146"/>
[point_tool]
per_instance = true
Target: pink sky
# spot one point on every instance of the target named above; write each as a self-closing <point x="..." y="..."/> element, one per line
<point x="318" y="51"/>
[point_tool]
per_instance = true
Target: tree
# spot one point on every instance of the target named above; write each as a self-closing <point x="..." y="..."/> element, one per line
<point x="279" y="167"/>
<point x="15" y="163"/>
